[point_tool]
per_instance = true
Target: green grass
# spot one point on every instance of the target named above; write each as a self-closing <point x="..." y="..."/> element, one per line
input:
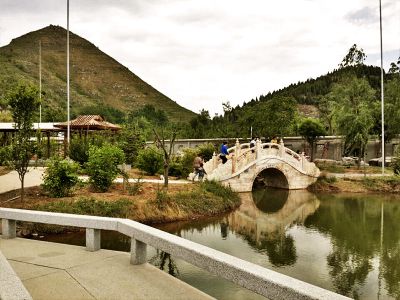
<point x="90" y="206"/>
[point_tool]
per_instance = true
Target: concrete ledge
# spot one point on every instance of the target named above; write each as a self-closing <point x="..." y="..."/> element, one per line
<point x="82" y="221"/>
<point x="268" y="283"/>
<point x="11" y="287"/>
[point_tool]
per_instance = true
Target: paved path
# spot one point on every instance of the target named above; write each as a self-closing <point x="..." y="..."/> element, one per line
<point x="58" y="271"/>
<point x="33" y="177"/>
<point x="10" y="181"/>
<point x="355" y="175"/>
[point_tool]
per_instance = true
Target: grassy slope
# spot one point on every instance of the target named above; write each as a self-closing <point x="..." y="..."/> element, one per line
<point x="96" y="78"/>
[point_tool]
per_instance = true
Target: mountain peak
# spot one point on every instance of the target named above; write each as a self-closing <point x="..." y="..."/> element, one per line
<point x="99" y="84"/>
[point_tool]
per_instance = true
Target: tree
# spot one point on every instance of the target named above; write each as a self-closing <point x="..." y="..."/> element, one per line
<point x="354" y="57"/>
<point x="24" y="105"/>
<point x="395" y="67"/>
<point x="167" y="151"/>
<point x="353" y="113"/>
<point x="311" y="129"/>
<point x="392" y="107"/>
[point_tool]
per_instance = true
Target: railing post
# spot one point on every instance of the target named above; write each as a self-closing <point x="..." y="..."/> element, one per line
<point x="281" y="148"/>
<point x="235" y="156"/>
<point x="138" y="252"/>
<point x="215" y="161"/>
<point x="258" y="149"/>
<point x="93" y="239"/>
<point x="9" y="228"/>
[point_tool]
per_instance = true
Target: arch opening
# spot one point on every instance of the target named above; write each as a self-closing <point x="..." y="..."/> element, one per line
<point x="271" y="177"/>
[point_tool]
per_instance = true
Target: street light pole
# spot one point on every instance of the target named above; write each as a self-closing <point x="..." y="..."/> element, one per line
<point x="68" y="125"/>
<point x="382" y="93"/>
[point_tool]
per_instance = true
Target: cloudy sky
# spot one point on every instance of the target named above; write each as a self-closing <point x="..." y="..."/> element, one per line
<point x="203" y="53"/>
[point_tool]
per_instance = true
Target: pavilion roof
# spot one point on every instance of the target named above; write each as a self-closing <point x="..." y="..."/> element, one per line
<point x="89" y="122"/>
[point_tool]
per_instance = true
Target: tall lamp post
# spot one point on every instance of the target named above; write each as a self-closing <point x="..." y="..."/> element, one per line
<point x="68" y="125"/>
<point x="382" y="92"/>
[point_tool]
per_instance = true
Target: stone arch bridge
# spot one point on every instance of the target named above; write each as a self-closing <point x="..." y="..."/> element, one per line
<point x="274" y="164"/>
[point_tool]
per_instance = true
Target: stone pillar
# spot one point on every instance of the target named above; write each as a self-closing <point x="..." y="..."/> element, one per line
<point x="258" y="149"/>
<point x="281" y="148"/>
<point x="214" y="161"/>
<point x="93" y="239"/>
<point x="138" y="252"/>
<point x="8" y="228"/>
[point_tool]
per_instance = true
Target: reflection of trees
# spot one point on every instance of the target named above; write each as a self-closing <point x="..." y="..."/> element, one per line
<point x="354" y="225"/>
<point x="160" y="260"/>
<point x="391" y="271"/>
<point x="348" y="269"/>
<point x="281" y="252"/>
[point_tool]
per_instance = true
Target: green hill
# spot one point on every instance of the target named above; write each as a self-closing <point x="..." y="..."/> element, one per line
<point x="99" y="84"/>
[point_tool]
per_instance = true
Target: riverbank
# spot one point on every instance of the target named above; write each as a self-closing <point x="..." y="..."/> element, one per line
<point x="144" y="202"/>
<point x="356" y="184"/>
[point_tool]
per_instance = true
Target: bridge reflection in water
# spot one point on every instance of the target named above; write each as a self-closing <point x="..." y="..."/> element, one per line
<point x="264" y="217"/>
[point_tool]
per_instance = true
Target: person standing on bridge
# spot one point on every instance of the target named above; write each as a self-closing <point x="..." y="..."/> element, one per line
<point x="224" y="152"/>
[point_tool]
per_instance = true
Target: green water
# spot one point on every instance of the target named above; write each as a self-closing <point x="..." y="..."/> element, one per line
<point x="349" y="244"/>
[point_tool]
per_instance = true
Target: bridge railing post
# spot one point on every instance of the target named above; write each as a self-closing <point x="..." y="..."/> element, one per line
<point x="235" y="156"/>
<point x="215" y="161"/>
<point x="281" y="148"/>
<point x="93" y="239"/>
<point x="258" y="149"/>
<point x="8" y="228"/>
<point x="138" y="252"/>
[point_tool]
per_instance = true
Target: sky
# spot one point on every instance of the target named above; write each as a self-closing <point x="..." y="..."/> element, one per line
<point x="204" y="53"/>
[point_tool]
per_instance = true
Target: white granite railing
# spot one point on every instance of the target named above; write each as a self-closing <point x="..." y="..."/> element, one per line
<point x="263" y="281"/>
<point x="241" y="156"/>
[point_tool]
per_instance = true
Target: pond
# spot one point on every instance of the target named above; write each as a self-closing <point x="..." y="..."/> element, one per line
<point x="347" y="243"/>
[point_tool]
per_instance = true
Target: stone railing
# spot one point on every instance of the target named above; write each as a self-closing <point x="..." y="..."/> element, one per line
<point x="242" y="155"/>
<point x="263" y="281"/>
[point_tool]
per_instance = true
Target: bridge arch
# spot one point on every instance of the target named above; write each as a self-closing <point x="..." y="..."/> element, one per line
<point x="272" y="177"/>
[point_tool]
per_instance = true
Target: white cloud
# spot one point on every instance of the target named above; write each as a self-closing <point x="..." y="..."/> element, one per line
<point x="200" y="53"/>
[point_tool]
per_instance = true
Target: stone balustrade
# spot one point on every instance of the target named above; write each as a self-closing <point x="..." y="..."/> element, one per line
<point x="263" y="281"/>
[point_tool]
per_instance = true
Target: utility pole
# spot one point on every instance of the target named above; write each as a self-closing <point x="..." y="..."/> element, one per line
<point x="382" y="92"/>
<point x="40" y="82"/>
<point x="68" y="121"/>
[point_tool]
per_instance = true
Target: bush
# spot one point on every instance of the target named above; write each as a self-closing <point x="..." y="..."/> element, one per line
<point x="187" y="161"/>
<point x="90" y="206"/>
<point x="396" y="162"/>
<point x="79" y="150"/>
<point x="60" y="177"/>
<point x="150" y="160"/>
<point x="4" y="155"/>
<point x="102" y="166"/>
<point x="206" y="151"/>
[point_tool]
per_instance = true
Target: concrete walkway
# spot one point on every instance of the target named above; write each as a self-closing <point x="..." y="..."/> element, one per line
<point x="355" y="175"/>
<point x="10" y="181"/>
<point x="58" y="271"/>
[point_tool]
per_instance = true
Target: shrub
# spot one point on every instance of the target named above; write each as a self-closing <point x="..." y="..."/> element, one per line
<point x="206" y="151"/>
<point x="102" y="166"/>
<point x="60" y="177"/>
<point x="90" y="206"/>
<point x="396" y="162"/>
<point x="131" y="141"/>
<point x="187" y="161"/>
<point x="79" y="150"/>
<point x="4" y="155"/>
<point x="150" y="160"/>
<point x="136" y="188"/>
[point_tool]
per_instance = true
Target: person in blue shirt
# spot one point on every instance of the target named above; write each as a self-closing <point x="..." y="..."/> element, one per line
<point x="224" y="152"/>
